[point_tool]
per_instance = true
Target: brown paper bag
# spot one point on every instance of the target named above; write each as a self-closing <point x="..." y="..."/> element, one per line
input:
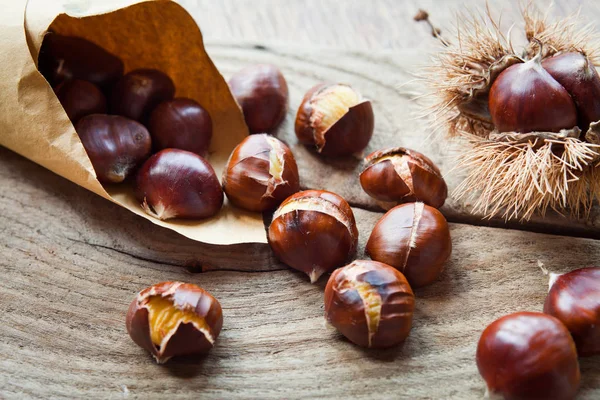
<point x="151" y="34"/>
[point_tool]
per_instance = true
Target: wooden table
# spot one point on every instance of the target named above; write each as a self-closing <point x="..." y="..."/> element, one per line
<point x="71" y="262"/>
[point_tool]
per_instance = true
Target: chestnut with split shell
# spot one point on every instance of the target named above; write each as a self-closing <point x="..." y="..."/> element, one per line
<point x="260" y="174"/>
<point x="400" y="175"/>
<point x="335" y="119"/>
<point x="528" y="355"/>
<point x="174" y="319"/>
<point x="80" y="98"/>
<point x="178" y="184"/>
<point x="313" y="231"/>
<point x="370" y="303"/>
<point x="574" y="298"/>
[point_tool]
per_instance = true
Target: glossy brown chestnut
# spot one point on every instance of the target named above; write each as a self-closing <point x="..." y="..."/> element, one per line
<point x="178" y="184"/>
<point x="402" y="175"/>
<point x="116" y="145"/>
<point x="181" y="124"/>
<point x="579" y="77"/>
<point x="68" y="57"/>
<point x="335" y="119"/>
<point x="138" y="92"/>
<point x="80" y="98"/>
<point x="526" y="98"/>
<point x="415" y="239"/>
<point x="528" y="355"/>
<point x="174" y="319"/>
<point x="370" y="303"/>
<point x="260" y="174"/>
<point x="574" y="298"/>
<point x="313" y="231"/>
<point x="262" y="92"/>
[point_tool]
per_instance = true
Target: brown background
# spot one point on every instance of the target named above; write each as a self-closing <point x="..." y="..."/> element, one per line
<point x="71" y="262"/>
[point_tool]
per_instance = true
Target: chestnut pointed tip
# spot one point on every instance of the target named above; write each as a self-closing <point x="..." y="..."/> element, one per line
<point x="314" y="275"/>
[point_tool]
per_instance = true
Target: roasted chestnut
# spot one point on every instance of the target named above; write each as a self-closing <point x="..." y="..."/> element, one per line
<point x="181" y="124"/>
<point x="176" y="183"/>
<point x="260" y="174"/>
<point x="174" y="319"/>
<point x="574" y="298"/>
<point x="400" y="175"/>
<point x="528" y="355"/>
<point x="370" y="303"/>
<point x="335" y="119"/>
<point x="262" y="93"/>
<point x="313" y="231"/>
<point x="80" y="98"/>
<point x="526" y="98"/>
<point x="115" y="145"/>
<point x="69" y="57"/>
<point x="579" y="77"/>
<point x="413" y="238"/>
<point x="138" y="92"/>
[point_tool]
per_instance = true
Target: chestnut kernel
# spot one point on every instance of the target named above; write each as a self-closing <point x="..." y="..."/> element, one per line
<point x="262" y="93"/>
<point x="370" y="303"/>
<point x="574" y="298"/>
<point x="69" y="57"/>
<point x="174" y="319"/>
<point x="528" y="355"/>
<point x="526" y="98"/>
<point x="80" y="98"/>
<point x="335" y="119"/>
<point x="138" y="92"/>
<point x="176" y="183"/>
<point x="260" y="174"/>
<point x="402" y="175"/>
<point x="115" y="145"/>
<point x="413" y="238"/>
<point x="181" y="124"/>
<point x="313" y="231"/>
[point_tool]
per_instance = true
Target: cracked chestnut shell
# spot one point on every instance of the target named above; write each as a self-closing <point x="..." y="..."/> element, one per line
<point x="174" y="319"/>
<point x="370" y="303"/>
<point x="115" y="145"/>
<point x="262" y="93"/>
<point x="400" y="175"/>
<point x="80" y="98"/>
<point x="176" y="183"/>
<point x="65" y="58"/>
<point x="138" y="92"/>
<point x="313" y="231"/>
<point x="260" y="174"/>
<point x="528" y="355"/>
<point x="413" y="238"/>
<point x="181" y="124"/>
<point x="574" y="298"/>
<point x="335" y="119"/>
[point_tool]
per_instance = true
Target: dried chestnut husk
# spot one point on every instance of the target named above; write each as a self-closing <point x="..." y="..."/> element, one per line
<point x="80" y="98"/>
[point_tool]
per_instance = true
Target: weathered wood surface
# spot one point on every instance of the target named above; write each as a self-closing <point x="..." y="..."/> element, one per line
<point x="71" y="262"/>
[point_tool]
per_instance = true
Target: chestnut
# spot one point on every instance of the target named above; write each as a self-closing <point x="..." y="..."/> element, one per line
<point x="137" y="93"/>
<point x="528" y="355"/>
<point x="413" y="238"/>
<point x="174" y="319"/>
<point x="115" y="145"/>
<point x="260" y="174"/>
<point x="181" y="124"/>
<point x="579" y="77"/>
<point x="262" y="93"/>
<point x="64" y="58"/>
<point x="574" y="298"/>
<point x="526" y="98"/>
<point x="370" y="303"/>
<point x="176" y="183"/>
<point x="80" y="98"/>
<point x="401" y="175"/>
<point x="313" y="231"/>
<point x="335" y="119"/>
